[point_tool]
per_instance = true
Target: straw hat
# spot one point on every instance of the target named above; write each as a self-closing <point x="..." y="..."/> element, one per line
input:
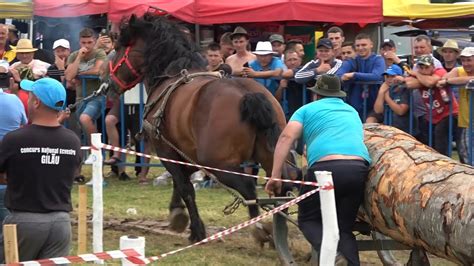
<point x="25" y="46"/>
<point x="450" y="44"/>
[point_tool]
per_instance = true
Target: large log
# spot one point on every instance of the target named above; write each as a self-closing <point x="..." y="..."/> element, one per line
<point x="418" y="196"/>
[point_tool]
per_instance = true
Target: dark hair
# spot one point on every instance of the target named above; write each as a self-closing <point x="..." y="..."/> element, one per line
<point x="336" y="29"/>
<point x="291" y="44"/>
<point x="288" y="51"/>
<point x="225" y="38"/>
<point x="351" y="44"/>
<point x="86" y="33"/>
<point x="362" y="35"/>
<point x="213" y="46"/>
<point x="167" y="49"/>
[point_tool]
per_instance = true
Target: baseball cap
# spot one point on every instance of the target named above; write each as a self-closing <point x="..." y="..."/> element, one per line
<point x="49" y="91"/>
<point x="324" y="42"/>
<point x="426" y="60"/>
<point x="467" y="52"/>
<point x="61" y="42"/>
<point x="393" y="70"/>
<point x="276" y="38"/>
<point x="388" y="42"/>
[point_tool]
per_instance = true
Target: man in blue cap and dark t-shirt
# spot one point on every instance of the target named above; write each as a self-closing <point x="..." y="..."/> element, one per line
<point x="40" y="161"/>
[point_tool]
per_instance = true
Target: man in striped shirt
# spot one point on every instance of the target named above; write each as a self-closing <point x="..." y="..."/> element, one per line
<point x="325" y="63"/>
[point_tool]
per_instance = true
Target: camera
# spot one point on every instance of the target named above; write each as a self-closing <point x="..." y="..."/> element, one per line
<point x="470" y="84"/>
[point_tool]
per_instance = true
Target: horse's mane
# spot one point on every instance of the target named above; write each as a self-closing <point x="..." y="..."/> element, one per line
<point x="168" y="49"/>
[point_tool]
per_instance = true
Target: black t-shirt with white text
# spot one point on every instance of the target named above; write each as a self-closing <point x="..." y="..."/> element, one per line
<point x="40" y="163"/>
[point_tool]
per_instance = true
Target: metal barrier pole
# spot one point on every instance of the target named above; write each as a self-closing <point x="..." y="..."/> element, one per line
<point x="123" y="135"/>
<point x="305" y="100"/>
<point x="410" y="112"/>
<point x="469" y="152"/>
<point x="430" y="120"/>
<point x="365" y="95"/>
<point x="450" y="129"/>
<point x="140" y="116"/>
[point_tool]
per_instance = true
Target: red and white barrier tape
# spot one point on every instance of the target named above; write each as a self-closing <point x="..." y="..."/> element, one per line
<point x="134" y="257"/>
<point x="113" y="148"/>
<point x="231" y="230"/>
<point x="106" y="255"/>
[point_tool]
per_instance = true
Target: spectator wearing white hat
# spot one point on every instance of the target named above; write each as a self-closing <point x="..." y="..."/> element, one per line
<point x="461" y="76"/>
<point x="267" y="68"/>
<point x="62" y="50"/>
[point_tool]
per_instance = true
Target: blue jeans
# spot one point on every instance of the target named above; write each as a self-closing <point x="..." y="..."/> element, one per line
<point x="92" y="107"/>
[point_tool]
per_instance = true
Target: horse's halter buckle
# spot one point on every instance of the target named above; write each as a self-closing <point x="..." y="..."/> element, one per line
<point x="113" y="70"/>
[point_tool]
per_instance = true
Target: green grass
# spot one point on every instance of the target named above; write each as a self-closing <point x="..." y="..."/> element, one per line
<point x="152" y="202"/>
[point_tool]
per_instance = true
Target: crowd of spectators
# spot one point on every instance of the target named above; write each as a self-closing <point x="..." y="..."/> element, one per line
<point x="424" y="99"/>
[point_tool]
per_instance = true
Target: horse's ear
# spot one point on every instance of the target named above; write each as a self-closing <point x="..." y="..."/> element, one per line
<point x="133" y="17"/>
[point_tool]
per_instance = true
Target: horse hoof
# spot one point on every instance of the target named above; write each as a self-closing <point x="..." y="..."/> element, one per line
<point x="179" y="220"/>
<point x="194" y="237"/>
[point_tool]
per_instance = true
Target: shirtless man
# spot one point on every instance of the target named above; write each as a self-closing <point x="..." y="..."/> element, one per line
<point x="240" y="40"/>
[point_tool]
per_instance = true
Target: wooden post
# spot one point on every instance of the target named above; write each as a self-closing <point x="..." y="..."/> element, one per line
<point x="10" y="243"/>
<point x="82" y="221"/>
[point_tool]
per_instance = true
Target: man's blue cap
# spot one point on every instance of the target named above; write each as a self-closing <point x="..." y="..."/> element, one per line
<point x="393" y="70"/>
<point x="49" y="91"/>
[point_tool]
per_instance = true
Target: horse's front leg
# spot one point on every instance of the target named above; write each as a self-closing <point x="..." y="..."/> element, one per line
<point x="183" y="190"/>
<point x="178" y="217"/>
<point x="198" y="231"/>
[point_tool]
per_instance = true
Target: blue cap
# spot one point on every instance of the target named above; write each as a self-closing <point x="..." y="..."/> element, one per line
<point x="393" y="70"/>
<point x="49" y="91"/>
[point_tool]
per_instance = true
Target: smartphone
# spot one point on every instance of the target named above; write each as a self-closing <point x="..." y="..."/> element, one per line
<point x="246" y="64"/>
<point x="104" y="32"/>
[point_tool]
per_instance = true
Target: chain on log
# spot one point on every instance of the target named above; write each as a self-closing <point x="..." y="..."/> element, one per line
<point x="418" y="196"/>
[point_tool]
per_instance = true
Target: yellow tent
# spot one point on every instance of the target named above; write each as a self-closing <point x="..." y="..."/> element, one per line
<point x="424" y="9"/>
<point x="16" y="9"/>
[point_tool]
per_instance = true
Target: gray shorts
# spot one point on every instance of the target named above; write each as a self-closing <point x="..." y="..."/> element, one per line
<point x="40" y="235"/>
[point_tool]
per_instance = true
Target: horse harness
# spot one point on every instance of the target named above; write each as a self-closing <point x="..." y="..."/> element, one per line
<point x="153" y="128"/>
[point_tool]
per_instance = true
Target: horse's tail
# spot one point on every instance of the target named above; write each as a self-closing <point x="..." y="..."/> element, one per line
<point x="256" y="109"/>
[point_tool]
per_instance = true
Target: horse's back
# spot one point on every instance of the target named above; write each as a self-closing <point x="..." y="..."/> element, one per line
<point x="205" y="119"/>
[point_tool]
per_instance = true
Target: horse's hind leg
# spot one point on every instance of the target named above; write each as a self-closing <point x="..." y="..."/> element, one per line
<point x="185" y="189"/>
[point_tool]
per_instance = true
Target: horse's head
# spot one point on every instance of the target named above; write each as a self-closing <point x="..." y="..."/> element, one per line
<point x="126" y="68"/>
<point x="154" y="46"/>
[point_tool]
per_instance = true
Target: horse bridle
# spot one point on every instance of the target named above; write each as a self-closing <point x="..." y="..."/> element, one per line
<point x="113" y="70"/>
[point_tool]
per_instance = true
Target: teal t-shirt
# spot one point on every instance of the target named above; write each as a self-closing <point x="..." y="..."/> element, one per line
<point x="330" y="126"/>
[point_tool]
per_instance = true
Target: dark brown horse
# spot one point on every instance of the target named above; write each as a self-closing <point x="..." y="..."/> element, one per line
<point x="214" y="121"/>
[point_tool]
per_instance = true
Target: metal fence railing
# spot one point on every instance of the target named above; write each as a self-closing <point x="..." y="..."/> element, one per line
<point x="413" y="127"/>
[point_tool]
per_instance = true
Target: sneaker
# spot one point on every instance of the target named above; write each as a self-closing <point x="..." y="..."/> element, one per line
<point x="89" y="184"/>
<point x="79" y="179"/>
<point x="198" y="177"/>
<point x="164" y="176"/>
<point x="124" y="177"/>
<point x="160" y="181"/>
<point x="90" y="159"/>
<point x="111" y="174"/>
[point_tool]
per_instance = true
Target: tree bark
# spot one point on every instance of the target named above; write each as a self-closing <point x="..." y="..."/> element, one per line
<point x="418" y="196"/>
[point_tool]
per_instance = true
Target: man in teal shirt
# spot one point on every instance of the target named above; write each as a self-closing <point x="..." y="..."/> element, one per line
<point x="334" y="139"/>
